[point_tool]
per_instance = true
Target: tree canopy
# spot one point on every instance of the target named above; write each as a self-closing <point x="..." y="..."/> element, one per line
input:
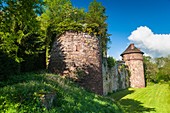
<point x="28" y="27"/>
<point x="60" y="16"/>
<point x="20" y="36"/>
<point x="19" y="28"/>
<point x="157" y="69"/>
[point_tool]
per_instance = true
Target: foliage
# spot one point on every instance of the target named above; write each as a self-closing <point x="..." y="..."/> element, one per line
<point x="111" y="62"/>
<point x="96" y="14"/>
<point x="21" y="94"/>
<point x="19" y="28"/>
<point x="157" y="69"/>
<point x="8" y="66"/>
<point x="164" y="69"/>
<point x="20" y="36"/>
<point x="154" y="98"/>
<point x="150" y="70"/>
<point x="26" y="32"/>
<point x="60" y="16"/>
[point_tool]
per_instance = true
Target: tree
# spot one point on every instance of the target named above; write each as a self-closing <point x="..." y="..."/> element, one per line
<point x="60" y="16"/>
<point x="111" y="62"/>
<point x="19" y="29"/>
<point x="96" y="20"/>
<point x="164" y="69"/>
<point x="150" y="69"/>
<point x="157" y="69"/>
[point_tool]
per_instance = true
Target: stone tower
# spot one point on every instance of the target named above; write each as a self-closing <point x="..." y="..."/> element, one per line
<point x="77" y="55"/>
<point x="133" y="58"/>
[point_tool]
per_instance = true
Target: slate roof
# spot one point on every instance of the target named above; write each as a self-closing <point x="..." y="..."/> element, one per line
<point x="131" y="49"/>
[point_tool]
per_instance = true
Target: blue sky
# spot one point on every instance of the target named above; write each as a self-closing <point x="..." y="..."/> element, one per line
<point x="125" y="16"/>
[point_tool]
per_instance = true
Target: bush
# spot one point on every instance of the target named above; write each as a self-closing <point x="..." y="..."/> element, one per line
<point x="8" y="66"/>
<point x="33" y="63"/>
<point x="111" y="62"/>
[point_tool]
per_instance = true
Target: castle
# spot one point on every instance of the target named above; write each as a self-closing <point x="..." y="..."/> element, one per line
<point x="78" y="56"/>
<point x="133" y="58"/>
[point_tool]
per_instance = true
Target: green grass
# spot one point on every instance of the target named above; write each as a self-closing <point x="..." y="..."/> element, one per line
<point x="21" y="94"/>
<point x="152" y="99"/>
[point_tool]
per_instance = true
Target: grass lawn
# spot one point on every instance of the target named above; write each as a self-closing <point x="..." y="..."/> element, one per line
<point x="21" y="94"/>
<point x="152" y="99"/>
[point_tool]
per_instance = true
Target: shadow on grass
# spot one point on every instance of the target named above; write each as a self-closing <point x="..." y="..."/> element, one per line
<point x="129" y="105"/>
<point x="133" y="106"/>
<point x="23" y="78"/>
<point x="120" y="94"/>
<point x="20" y="92"/>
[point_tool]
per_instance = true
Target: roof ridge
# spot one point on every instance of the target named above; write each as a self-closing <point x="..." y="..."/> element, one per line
<point x="131" y="49"/>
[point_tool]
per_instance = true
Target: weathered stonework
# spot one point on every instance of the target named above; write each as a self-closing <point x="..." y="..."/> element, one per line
<point x="116" y="78"/>
<point x="133" y="58"/>
<point x="78" y="56"/>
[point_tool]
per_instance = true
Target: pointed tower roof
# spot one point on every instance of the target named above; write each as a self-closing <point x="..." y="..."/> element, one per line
<point x="131" y="49"/>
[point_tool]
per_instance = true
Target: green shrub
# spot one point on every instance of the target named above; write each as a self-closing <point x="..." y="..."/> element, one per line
<point x="33" y="63"/>
<point x="111" y="62"/>
<point x="8" y="66"/>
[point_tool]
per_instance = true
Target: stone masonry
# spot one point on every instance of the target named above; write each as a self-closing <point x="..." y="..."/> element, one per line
<point x="115" y="78"/>
<point x="133" y="58"/>
<point x="78" y="56"/>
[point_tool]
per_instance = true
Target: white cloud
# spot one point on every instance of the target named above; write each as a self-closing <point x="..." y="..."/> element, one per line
<point x="155" y="45"/>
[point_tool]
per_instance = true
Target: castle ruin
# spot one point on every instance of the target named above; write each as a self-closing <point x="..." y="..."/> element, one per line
<point x="115" y="78"/>
<point x="78" y="56"/>
<point x="133" y="58"/>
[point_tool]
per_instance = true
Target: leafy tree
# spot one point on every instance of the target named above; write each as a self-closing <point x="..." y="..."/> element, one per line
<point x="164" y="69"/>
<point x="96" y="16"/>
<point x="160" y="61"/>
<point x="150" y="69"/>
<point x="49" y="20"/>
<point x="25" y="33"/>
<point x="96" y="20"/>
<point x="61" y="16"/>
<point x="158" y="69"/>
<point x="111" y="62"/>
<point x="19" y="29"/>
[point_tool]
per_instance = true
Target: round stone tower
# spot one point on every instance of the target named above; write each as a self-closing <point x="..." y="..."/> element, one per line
<point x="77" y="55"/>
<point x="133" y="58"/>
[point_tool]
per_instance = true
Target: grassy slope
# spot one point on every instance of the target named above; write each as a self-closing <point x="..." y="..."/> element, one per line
<point x="21" y="93"/>
<point x="155" y="98"/>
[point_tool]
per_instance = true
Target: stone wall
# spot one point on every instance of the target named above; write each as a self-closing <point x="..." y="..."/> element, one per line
<point x="116" y="78"/>
<point x="78" y="56"/>
<point x="134" y="61"/>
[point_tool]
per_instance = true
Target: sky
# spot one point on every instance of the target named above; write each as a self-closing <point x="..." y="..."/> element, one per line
<point x="146" y="23"/>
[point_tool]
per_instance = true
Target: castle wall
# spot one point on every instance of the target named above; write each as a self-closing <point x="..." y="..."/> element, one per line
<point x="134" y="61"/>
<point x="116" y="78"/>
<point x="78" y="56"/>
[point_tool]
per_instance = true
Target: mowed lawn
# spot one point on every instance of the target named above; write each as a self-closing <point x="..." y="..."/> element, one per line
<point x="152" y="99"/>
